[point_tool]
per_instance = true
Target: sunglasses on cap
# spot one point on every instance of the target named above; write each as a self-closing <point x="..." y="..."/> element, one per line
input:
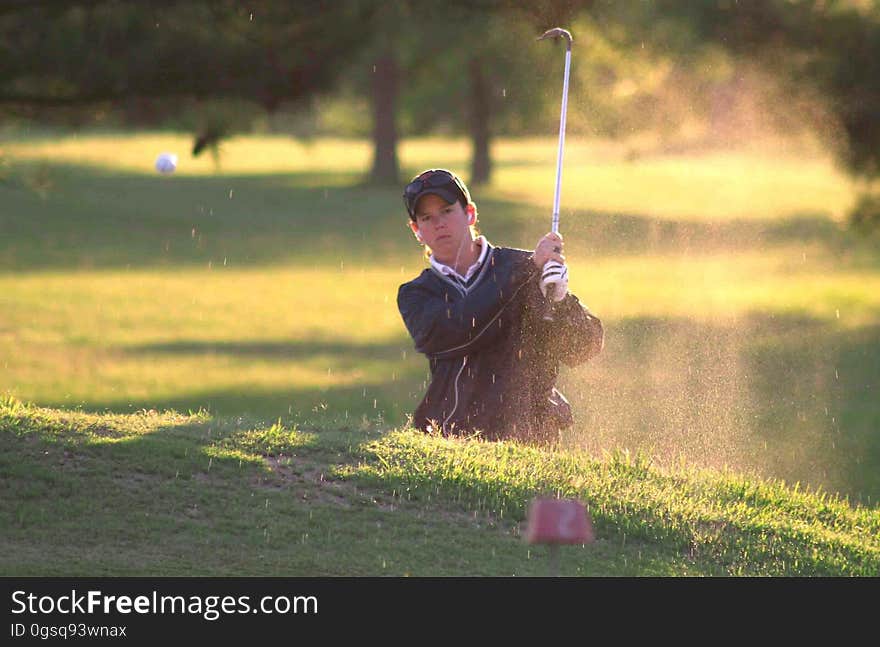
<point x="447" y="186"/>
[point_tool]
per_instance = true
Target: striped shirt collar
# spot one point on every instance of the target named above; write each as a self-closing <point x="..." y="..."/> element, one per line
<point x="446" y="270"/>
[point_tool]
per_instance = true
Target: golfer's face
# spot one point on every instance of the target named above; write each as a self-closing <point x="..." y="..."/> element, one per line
<point x="442" y="226"/>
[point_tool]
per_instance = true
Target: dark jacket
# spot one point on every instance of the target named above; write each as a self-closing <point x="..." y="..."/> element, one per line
<point x="493" y="358"/>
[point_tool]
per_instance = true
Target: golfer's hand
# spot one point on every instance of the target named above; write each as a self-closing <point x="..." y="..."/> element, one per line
<point x="549" y="248"/>
<point x="555" y="273"/>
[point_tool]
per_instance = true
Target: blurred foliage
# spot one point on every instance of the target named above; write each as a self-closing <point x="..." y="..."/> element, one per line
<point x="151" y="62"/>
<point x="713" y="72"/>
<point x="865" y="215"/>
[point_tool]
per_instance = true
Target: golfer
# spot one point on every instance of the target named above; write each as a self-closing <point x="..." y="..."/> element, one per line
<point x="478" y="313"/>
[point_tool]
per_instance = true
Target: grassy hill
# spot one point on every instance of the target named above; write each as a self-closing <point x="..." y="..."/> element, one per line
<point x="168" y="494"/>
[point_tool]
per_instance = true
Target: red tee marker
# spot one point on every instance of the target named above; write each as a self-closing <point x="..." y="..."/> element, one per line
<point x="559" y="521"/>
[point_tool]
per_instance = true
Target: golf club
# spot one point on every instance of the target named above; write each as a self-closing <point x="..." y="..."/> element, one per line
<point x="558" y="32"/>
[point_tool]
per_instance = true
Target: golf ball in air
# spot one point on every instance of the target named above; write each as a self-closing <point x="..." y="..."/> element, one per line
<point x="166" y="163"/>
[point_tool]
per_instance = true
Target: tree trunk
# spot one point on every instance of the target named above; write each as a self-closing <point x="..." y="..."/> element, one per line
<point x="480" y="100"/>
<point x="385" y="85"/>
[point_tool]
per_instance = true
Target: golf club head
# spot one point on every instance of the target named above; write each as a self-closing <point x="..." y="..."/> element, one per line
<point x="557" y="32"/>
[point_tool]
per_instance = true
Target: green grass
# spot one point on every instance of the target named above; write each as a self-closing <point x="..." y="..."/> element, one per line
<point x="169" y="494"/>
<point x="742" y="318"/>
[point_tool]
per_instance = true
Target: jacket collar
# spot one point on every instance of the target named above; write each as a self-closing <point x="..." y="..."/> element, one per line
<point x="449" y="271"/>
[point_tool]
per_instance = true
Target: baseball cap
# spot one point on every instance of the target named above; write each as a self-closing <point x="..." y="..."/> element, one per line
<point x="438" y="181"/>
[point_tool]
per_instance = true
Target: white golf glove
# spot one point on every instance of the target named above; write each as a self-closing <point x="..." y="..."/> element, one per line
<point x="555" y="272"/>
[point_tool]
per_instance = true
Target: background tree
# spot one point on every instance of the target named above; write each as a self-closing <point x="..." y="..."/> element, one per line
<point x="463" y="68"/>
<point x="161" y="55"/>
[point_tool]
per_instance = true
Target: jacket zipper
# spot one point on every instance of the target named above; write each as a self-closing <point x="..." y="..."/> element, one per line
<point x="483" y="329"/>
<point x="455" y="404"/>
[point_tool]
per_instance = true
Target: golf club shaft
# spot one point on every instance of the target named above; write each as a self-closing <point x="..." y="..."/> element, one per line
<point x="554" y="227"/>
<point x="554" y="223"/>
